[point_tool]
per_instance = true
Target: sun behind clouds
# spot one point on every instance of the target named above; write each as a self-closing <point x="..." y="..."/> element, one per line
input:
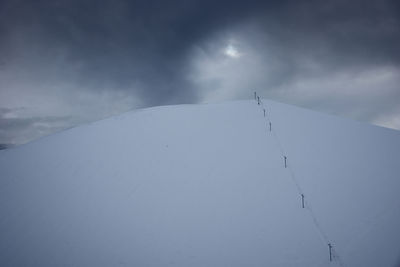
<point x="232" y="51"/>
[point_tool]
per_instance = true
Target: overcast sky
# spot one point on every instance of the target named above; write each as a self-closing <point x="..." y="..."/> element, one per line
<point x="63" y="63"/>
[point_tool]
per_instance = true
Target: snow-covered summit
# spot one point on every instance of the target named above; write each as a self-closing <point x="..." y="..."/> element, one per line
<point x="204" y="185"/>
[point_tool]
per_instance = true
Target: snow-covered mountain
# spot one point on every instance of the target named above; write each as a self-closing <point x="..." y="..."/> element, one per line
<point x="204" y="185"/>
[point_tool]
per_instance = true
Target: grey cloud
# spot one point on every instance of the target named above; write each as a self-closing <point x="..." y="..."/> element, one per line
<point x="146" y="51"/>
<point x="15" y="130"/>
<point x="120" y="41"/>
<point x="321" y="55"/>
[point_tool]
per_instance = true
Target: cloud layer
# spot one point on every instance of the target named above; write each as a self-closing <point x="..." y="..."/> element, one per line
<point x="67" y="62"/>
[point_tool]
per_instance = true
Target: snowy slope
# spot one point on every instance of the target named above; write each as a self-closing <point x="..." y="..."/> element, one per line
<point x="204" y="185"/>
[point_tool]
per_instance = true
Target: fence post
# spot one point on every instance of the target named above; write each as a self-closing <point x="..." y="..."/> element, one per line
<point x="264" y="112"/>
<point x="258" y="98"/>
<point x="330" y="252"/>
<point x="270" y="126"/>
<point x="285" y="161"/>
<point x="302" y="200"/>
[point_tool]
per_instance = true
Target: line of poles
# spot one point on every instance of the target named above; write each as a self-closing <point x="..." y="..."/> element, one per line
<point x="303" y="201"/>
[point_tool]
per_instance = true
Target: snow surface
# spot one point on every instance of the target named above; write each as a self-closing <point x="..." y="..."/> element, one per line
<point x="204" y="185"/>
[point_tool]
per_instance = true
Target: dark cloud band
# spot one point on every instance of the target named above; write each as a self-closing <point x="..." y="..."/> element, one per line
<point x="145" y="48"/>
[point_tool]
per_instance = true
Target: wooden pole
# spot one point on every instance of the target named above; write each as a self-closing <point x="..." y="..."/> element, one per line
<point x="302" y="200"/>
<point x="270" y="126"/>
<point x="330" y="252"/>
<point x="258" y="98"/>
<point x="285" y="161"/>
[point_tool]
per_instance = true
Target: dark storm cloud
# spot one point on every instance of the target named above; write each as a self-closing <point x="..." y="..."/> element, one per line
<point x="142" y="52"/>
<point x="338" y="34"/>
<point x="144" y="42"/>
<point x="336" y="56"/>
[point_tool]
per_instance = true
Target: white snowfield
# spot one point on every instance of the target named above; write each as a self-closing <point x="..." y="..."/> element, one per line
<point x="204" y="185"/>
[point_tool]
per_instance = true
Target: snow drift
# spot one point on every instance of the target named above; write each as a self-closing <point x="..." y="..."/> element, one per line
<point x="204" y="185"/>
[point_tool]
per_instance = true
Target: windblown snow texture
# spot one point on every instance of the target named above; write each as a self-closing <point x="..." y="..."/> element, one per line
<point x="204" y="185"/>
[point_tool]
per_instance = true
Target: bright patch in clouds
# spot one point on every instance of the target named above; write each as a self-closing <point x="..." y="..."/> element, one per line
<point x="231" y="51"/>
